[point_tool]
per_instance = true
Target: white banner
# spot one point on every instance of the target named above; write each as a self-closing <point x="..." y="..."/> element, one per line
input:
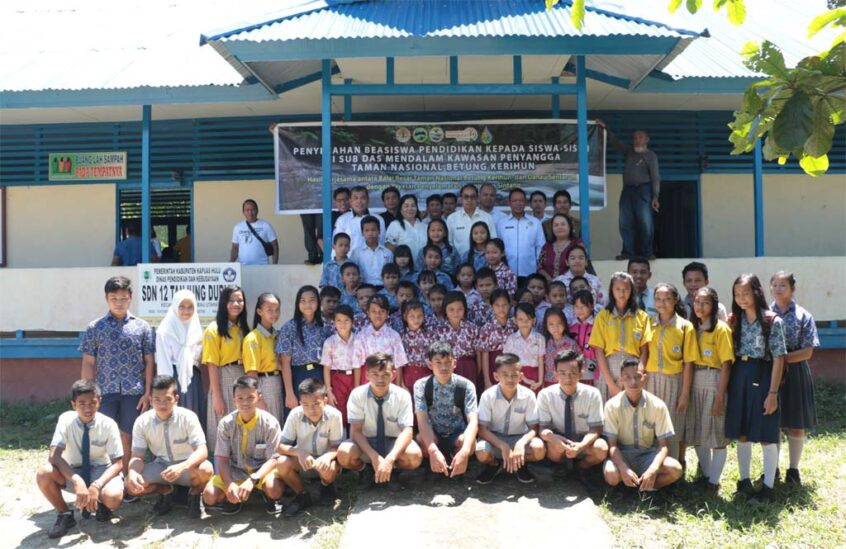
<point x="160" y="281"/>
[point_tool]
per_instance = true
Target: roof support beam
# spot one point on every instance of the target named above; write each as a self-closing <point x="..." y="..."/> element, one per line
<point x="758" y="184"/>
<point x="584" y="176"/>
<point x="146" y="126"/>
<point x="453" y="89"/>
<point x="326" y="157"/>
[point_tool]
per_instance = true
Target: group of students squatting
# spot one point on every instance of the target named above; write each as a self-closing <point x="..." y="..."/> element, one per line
<point x="380" y="380"/>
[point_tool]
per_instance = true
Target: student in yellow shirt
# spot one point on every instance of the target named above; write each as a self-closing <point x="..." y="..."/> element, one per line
<point x="706" y="417"/>
<point x="260" y="355"/>
<point x="222" y="356"/>
<point x="672" y="351"/>
<point x="621" y="330"/>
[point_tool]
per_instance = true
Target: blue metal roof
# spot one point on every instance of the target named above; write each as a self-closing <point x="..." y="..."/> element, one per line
<point x="328" y="19"/>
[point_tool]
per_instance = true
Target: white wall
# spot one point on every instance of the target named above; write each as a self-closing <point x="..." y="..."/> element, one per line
<point x="68" y="299"/>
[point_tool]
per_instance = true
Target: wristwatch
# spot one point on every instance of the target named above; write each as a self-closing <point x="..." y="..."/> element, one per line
<point x="255" y="478"/>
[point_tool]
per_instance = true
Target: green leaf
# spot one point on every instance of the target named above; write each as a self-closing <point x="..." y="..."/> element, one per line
<point x="718" y="4"/>
<point x="835" y="108"/>
<point x="822" y="131"/>
<point x="792" y="126"/>
<point x="766" y="58"/>
<point x="674" y="5"/>
<point x="693" y="5"/>
<point x="736" y="12"/>
<point x="550" y="3"/>
<point x="577" y="13"/>
<point x="814" y="165"/>
<point x="824" y="20"/>
<point x="751" y="100"/>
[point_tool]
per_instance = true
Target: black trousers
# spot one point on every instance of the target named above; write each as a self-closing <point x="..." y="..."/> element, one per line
<point x="312" y="231"/>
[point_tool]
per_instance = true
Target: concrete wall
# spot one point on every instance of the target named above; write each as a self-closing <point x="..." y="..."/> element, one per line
<point x="60" y="225"/>
<point x="67" y="299"/>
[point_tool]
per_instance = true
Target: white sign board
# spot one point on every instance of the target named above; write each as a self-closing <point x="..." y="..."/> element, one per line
<point x="160" y="281"/>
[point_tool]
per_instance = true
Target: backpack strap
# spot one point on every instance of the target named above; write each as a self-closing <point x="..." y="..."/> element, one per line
<point x="459" y="395"/>
<point x="429" y="391"/>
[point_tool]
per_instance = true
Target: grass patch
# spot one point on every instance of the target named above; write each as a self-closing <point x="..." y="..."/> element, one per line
<point x="800" y="516"/>
<point x="29" y="426"/>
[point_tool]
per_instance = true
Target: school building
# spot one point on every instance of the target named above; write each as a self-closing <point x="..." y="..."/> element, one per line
<point x="189" y="91"/>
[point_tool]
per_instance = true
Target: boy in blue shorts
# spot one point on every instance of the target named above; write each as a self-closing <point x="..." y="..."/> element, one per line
<point x="118" y="352"/>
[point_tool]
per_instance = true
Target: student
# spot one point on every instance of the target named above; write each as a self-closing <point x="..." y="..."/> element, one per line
<point x="425" y="281"/>
<point x="362" y="296"/>
<point x="331" y="275"/>
<point x="752" y="411"/>
<point x="222" y="356"/>
<point x="538" y="287"/>
<point x="259" y="354"/>
<point x="253" y="240"/>
<point x="341" y="371"/>
<point x="481" y="313"/>
<point x="351" y="279"/>
<point x="381" y="427"/>
<point x="433" y="261"/>
<point x="673" y="350"/>
<point x="416" y="339"/>
<point x="406" y="291"/>
<point x="508" y="420"/>
<point x="247" y="441"/>
<point x="570" y="415"/>
<point x="434" y="208"/>
<point x="179" y="345"/>
<point x="466" y="278"/>
<point x="404" y="260"/>
<point x="578" y="261"/>
<point x="390" y="283"/>
<point x="620" y="331"/>
<point x="407" y="229"/>
<point x="537" y="202"/>
<point x="492" y="335"/>
<point x="637" y="450"/>
<point x="299" y="344"/>
<point x="330" y="298"/>
<point x="695" y="276"/>
<point x="798" y="409"/>
<point x="118" y="352"/>
<point x="437" y="235"/>
<point x="450" y="202"/>
<point x="705" y="422"/>
<point x="447" y="415"/>
<point x="174" y="437"/>
<point x="350" y="222"/>
<point x="557" y="297"/>
<point x="638" y="267"/>
<point x="378" y="336"/>
<point x="557" y="336"/>
<point x="580" y="330"/>
<point x="437" y="298"/>
<point x="309" y="447"/>
<point x="371" y="256"/>
<point x="479" y="236"/>
<point x="85" y="459"/>
<point x="495" y="256"/>
<point x="461" y="334"/>
<point x="553" y="257"/>
<point x="528" y="345"/>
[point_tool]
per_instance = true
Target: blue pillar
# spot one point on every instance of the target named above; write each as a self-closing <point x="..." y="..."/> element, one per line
<point x="347" y="106"/>
<point x="326" y="143"/>
<point x="146" y="122"/>
<point x="758" y="179"/>
<point x="556" y="103"/>
<point x="581" y="114"/>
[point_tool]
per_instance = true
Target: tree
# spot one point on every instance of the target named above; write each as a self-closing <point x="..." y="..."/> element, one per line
<point x="794" y="110"/>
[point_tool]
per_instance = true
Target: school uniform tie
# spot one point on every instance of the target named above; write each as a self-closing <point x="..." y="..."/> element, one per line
<point x="86" y="461"/>
<point x="569" y="429"/>
<point x="380" y="428"/>
<point x="640" y="304"/>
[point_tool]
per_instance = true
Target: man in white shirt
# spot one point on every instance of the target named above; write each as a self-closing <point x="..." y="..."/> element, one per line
<point x="537" y="202"/>
<point x="350" y="222"/>
<point x="487" y="201"/>
<point x="247" y="236"/>
<point x="522" y="236"/>
<point x="461" y="221"/>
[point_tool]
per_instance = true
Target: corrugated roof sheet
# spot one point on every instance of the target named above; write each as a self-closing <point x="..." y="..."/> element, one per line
<point x="438" y="19"/>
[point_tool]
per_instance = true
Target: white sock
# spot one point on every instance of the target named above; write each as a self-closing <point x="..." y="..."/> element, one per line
<point x="718" y="461"/>
<point x="770" y="463"/>
<point x="744" y="458"/>
<point x="704" y="455"/>
<point x="795" y="446"/>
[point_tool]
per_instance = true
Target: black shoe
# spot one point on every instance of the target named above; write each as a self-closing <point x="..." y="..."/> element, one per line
<point x="792" y="477"/>
<point x="300" y="503"/>
<point x="583" y="477"/>
<point x="394" y="484"/>
<point x="713" y="489"/>
<point x="129" y="498"/>
<point x="622" y="257"/>
<point x="194" y="510"/>
<point x="763" y="496"/>
<point x="328" y="495"/>
<point x="366" y="479"/>
<point x="104" y="514"/>
<point x="776" y="480"/>
<point x="524" y="475"/>
<point x="179" y="496"/>
<point x="230" y="508"/>
<point x="163" y="504"/>
<point x="745" y="489"/>
<point x="270" y="505"/>
<point x="489" y="473"/>
<point x="64" y="522"/>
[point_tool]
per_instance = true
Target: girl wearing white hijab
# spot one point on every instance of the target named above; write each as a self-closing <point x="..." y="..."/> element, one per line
<point x="179" y="342"/>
